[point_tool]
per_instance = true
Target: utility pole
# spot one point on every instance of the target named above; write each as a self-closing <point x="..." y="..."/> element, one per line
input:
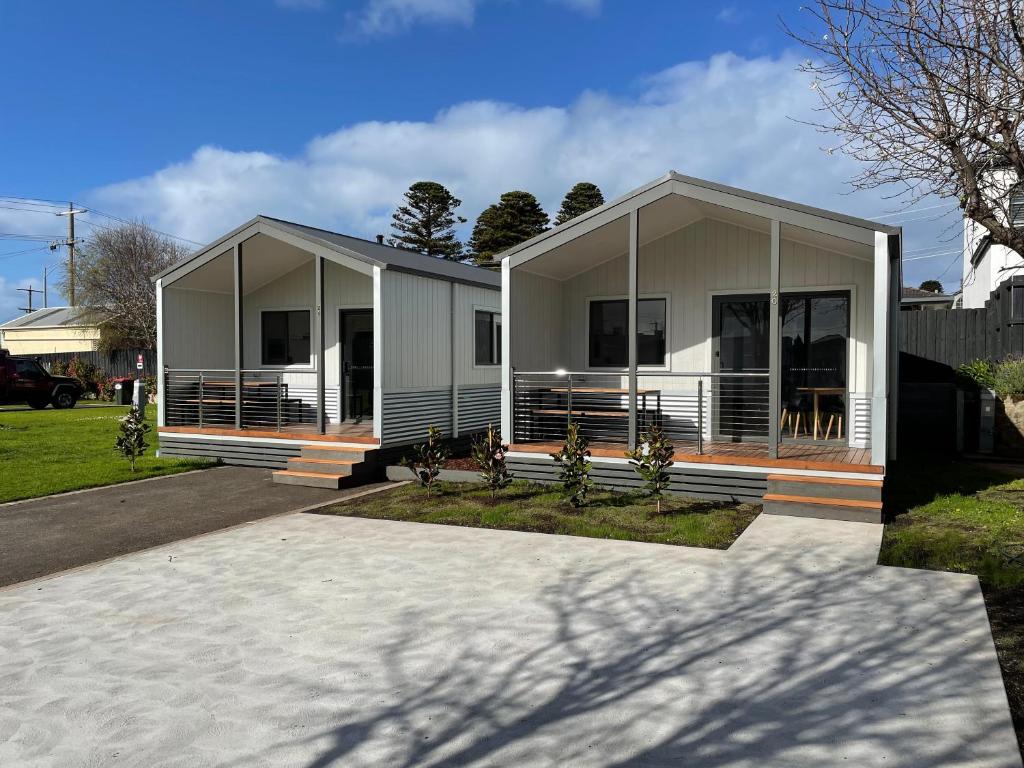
<point x="70" y="243"/>
<point x="46" y="296"/>
<point x="30" y="290"/>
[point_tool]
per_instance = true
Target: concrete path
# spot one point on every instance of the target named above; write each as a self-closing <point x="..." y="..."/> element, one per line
<point x="312" y="641"/>
<point x="43" y="536"/>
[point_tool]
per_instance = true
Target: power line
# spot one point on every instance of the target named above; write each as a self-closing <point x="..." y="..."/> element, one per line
<point x="911" y="210"/>
<point x="53" y="205"/>
<point x="20" y="253"/>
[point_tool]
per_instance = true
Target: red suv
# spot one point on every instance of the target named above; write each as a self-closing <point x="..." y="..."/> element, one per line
<point x="23" y="380"/>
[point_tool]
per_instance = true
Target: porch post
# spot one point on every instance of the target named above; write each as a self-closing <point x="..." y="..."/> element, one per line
<point x="879" y="348"/>
<point x="507" y="384"/>
<point x="320" y="362"/>
<point x="774" y="358"/>
<point x="238" y="335"/>
<point x="631" y="326"/>
<point x="161" y="376"/>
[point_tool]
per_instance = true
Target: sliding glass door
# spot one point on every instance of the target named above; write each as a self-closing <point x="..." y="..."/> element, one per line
<point x="815" y="330"/>
<point x="814" y="349"/>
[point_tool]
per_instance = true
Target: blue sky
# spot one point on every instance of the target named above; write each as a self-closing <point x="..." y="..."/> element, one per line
<point x="197" y="115"/>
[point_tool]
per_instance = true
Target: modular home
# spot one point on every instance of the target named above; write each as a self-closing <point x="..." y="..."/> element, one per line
<point x="316" y="353"/>
<point x="757" y="332"/>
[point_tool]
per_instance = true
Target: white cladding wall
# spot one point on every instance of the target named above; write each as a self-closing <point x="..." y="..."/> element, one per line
<point x="198" y="329"/>
<point x="689" y="266"/>
<point x="536" y="308"/>
<point x="343" y="288"/>
<point x="417" y="328"/>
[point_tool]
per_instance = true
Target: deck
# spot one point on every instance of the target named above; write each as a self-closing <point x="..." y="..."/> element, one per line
<point x="825" y="457"/>
<point x="333" y="433"/>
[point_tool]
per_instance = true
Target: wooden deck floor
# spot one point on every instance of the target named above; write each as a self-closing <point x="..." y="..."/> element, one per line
<point x="351" y="433"/>
<point x="822" y="456"/>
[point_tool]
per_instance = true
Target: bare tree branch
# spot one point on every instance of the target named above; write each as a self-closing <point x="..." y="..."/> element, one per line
<point x="929" y="96"/>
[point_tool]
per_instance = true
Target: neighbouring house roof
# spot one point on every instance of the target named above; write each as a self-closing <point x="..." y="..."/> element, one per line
<point x="918" y="296"/>
<point x="711" y="186"/>
<point x="366" y="251"/>
<point x="50" y="317"/>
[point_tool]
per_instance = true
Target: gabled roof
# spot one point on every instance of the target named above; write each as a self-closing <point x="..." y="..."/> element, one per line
<point x="366" y="251"/>
<point x="50" y="317"/>
<point x="581" y="222"/>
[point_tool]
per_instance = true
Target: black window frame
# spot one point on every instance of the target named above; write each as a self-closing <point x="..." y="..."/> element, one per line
<point x="287" y="359"/>
<point x="494" y="334"/>
<point x="660" y="362"/>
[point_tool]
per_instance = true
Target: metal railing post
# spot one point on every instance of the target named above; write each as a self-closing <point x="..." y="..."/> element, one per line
<point x="200" y="399"/>
<point x="279" y="402"/>
<point x="700" y="416"/>
<point x="511" y="406"/>
<point x="568" y="406"/>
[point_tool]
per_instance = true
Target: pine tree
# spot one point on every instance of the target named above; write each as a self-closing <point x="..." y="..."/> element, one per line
<point x="583" y="197"/>
<point x="515" y="218"/>
<point x="426" y="221"/>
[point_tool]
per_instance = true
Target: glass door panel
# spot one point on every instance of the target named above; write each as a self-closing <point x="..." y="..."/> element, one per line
<point x="814" y="348"/>
<point x="740" y="409"/>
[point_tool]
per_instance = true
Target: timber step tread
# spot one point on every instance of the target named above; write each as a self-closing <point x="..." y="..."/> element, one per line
<point x="826" y="480"/>
<point x="786" y="498"/>
<point x="337" y="447"/>
<point x="326" y="462"/>
<point x="296" y="473"/>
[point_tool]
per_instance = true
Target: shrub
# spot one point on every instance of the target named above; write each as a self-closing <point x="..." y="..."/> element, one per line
<point x="131" y="442"/>
<point x="59" y="368"/>
<point x="427" y="458"/>
<point x="489" y="455"/>
<point x="651" y="459"/>
<point x="979" y="372"/>
<point x="1009" y="377"/>
<point x="574" y="462"/>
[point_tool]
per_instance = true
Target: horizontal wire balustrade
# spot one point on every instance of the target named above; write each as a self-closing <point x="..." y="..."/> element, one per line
<point x="690" y="407"/>
<point x="207" y="398"/>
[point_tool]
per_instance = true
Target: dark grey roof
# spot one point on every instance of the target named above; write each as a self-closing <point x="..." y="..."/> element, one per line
<point x="51" y="317"/>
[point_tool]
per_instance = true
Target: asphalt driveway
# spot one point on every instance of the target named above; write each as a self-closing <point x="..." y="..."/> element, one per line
<point x="310" y="640"/>
<point x="43" y="536"/>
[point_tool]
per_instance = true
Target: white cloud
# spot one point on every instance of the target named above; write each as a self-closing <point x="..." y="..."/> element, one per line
<point x="727" y="119"/>
<point x="387" y="17"/>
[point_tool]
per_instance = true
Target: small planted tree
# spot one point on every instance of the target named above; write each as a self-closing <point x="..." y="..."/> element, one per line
<point x="651" y="459"/>
<point x="131" y="440"/>
<point x="428" y="458"/>
<point x="574" y="462"/>
<point x="489" y="455"/>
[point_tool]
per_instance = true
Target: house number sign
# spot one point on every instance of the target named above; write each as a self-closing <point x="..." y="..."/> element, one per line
<point x="775" y="297"/>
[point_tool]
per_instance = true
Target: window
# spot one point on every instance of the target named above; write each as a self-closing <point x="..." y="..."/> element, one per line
<point x="285" y="339"/>
<point x="487" y="337"/>
<point x="607" y="338"/>
<point x="29" y="369"/>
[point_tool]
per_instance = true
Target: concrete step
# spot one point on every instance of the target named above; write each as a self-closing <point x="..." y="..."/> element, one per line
<point x="851" y="489"/>
<point x="321" y="466"/>
<point x="336" y="452"/>
<point x="853" y="510"/>
<point x="309" y="479"/>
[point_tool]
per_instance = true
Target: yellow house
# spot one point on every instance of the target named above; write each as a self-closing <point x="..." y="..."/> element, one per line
<point x="54" y="329"/>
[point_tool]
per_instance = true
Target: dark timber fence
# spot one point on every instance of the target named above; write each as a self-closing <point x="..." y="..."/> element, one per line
<point x="934" y="343"/>
<point x="118" y="364"/>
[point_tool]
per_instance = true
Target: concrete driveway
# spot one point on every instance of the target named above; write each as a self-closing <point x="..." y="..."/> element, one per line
<point x="311" y="641"/>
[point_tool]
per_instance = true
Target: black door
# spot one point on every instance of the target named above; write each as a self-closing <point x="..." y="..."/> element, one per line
<point x="740" y="326"/>
<point x="356" y="333"/>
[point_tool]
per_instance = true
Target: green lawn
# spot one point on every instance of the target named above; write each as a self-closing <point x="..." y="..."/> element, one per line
<point x="44" y="452"/>
<point x="968" y="518"/>
<point x="527" y="507"/>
